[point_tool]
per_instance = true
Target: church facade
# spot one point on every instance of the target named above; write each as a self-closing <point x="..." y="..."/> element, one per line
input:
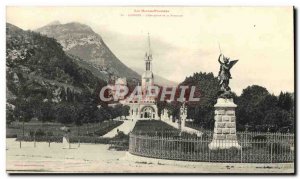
<point x="144" y="106"/>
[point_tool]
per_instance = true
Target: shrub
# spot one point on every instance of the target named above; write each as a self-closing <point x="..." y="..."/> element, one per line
<point x="11" y="135"/>
<point x="105" y="129"/>
<point x="121" y="135"/>
<point x="31" y="133"/>
<point x="50" y="133"/>
<point x="188" y="135"/>
<point x="120" y="142"/>
<point x="57" y="139"/>
<point x="40" y="132"/>
<point x="88" y="139"/>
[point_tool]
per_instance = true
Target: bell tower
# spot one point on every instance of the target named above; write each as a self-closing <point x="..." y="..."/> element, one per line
<point x="147" y="77"/>
<point x="145" y="108"/>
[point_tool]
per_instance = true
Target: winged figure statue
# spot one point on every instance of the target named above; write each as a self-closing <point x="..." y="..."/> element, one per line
<point x="224" y="73"/>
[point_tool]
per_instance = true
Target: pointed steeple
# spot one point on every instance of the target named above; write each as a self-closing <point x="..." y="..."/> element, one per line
<point x="148" y="56"/>
<point x="149" y="46"/>
<point x="147" y="77"/>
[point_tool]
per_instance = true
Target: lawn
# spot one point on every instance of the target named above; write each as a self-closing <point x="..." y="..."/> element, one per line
<point x="153" y="127"/>
<point x="53" y="129"/>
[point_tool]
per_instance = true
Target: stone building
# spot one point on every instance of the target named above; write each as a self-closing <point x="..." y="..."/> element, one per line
<point x="143" y="105"/>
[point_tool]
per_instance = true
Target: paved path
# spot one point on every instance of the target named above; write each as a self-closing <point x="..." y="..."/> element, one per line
<point x="96" y="158"/>
<point x="126" y="127"/>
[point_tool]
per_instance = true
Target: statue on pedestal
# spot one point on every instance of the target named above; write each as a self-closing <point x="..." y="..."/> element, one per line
<point x="224" y="136"/>
<point x="224" y="76"/>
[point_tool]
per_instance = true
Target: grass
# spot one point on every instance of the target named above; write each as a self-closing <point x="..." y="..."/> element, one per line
<point x="152" y="126"/>
<point x="120" y="142"/>
<point x="53" y="129"/>
<point x="88" y="133"/>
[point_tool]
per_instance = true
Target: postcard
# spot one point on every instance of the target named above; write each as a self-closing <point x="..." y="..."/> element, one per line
<point x="150" y="89"/>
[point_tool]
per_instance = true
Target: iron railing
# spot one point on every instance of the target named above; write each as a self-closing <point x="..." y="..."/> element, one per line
<point x="255" y="147"/>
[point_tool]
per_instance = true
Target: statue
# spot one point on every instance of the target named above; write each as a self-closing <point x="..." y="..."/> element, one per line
<point x="66" y="137"/>
<point x="224" y="76"/>
<point x="224" y="136"/>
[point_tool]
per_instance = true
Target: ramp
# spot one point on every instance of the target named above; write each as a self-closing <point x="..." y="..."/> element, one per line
<point x="126" y="127"/>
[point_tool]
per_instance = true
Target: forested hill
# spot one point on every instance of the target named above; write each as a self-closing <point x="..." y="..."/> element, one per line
<point x="31" y="56"/>
<point x="41" y="75"/>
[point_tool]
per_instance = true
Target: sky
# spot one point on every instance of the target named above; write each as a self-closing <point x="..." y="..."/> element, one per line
<point x="185" y="40"/>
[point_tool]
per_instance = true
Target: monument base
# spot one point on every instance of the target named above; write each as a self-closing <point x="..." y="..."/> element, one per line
<point x="224" y="144"/>
<point x="224" y="136"/>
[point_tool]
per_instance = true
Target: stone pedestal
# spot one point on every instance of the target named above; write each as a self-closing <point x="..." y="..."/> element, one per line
<point x="224" y="136"/>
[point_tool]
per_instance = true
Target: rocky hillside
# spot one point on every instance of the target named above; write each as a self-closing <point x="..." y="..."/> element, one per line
<point x="81" y="41"/>
<point x="45" y="84"/>
<point x="38" y="67"/>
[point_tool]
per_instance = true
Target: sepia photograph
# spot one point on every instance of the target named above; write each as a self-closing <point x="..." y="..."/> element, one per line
<point x="150" y="90"/>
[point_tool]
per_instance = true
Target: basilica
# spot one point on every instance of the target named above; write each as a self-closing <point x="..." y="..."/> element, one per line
<point x="143" y="106"/>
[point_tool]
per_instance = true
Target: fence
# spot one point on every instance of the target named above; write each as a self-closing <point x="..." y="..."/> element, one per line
<point x="54" y="129"/>
<point x="255" y="147"/>
<point x="119" y="142"/>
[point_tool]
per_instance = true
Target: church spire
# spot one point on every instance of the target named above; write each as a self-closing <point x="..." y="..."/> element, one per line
<point x="147" y="77"/>
<point x="148" y="56"/>
<point x="149" y="46"/>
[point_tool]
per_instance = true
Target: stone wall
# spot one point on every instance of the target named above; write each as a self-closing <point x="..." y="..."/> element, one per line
<point x="225" y="124"/>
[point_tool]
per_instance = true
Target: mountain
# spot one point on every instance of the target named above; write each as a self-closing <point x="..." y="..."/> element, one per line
<point x="44" y="83"/>
<point x="80" y="40"/>
<point x="38" y="68"/>
<point x="161" y="81"/>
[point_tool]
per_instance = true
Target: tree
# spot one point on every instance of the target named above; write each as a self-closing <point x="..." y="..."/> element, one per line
<point x="174" y="109"/>
<point x="46" y="112"/>
<point x="263" y="111"/>
<point x="248" y="111"/>
<point x="63" y="94"/>
<point x="69" y="95"/>
<point x="285" y="101"/>
<point x="23" y="111"/>
<point x="9" y="115"/>
<point x="117" y="111"/>
<point x="276" y="119"/>
<point x="161" y="105"/>
<point x="125" y="111"/>
<point x="66" y="113"/>
<point x="207" y="87"/>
